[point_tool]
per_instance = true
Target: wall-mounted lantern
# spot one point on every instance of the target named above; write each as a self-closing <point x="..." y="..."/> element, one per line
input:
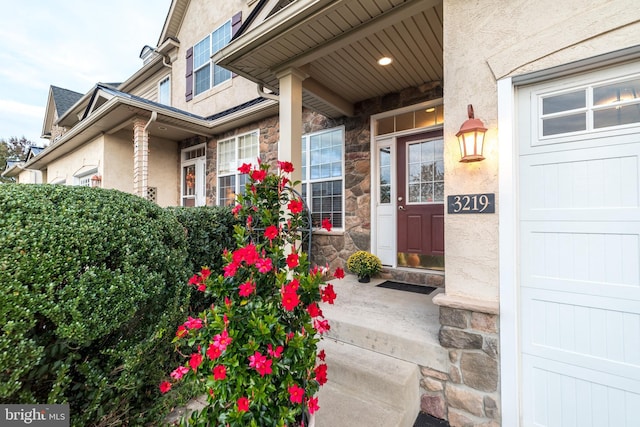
<point x="96" y="181"/>
<point x="471" y="138"/>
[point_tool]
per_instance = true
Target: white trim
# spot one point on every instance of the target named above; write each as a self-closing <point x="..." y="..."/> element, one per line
<point x="200" y="190"/>
<point x="510" y="371"/>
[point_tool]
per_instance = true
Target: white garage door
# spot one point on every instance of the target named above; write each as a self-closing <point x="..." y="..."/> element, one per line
<point x="579" y="249"/>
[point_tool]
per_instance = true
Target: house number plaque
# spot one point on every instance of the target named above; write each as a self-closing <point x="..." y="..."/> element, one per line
<point x="471" y="203"/>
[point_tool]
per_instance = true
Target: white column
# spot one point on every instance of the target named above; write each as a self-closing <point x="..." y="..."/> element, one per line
<point x="290" y="144"/>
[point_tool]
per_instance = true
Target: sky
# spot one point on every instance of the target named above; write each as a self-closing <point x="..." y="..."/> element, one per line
<point x="72" y="44"/>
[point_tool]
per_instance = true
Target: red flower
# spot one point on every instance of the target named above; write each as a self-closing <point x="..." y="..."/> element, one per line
<point x="321" y="373"/>
<point x="326" y="224"/>
<point x="195" y="279"/>
<point x="314" y="310"/>
<point x="339" y="273"/>
<point x="236" y="209"/>
<point x="192" y="323"/>
<point x="275" y="353"/>
<point x="219" y="372"/>
<point x="165" y="386"/>
<point x="285" y="166"/>
<point x="243" y="404"/>
<point x="179" y="372"/>
<point x="312" y="405"/>
<point x="321" y="326"/>
<point x="290" y="300"/>
<point x="271" y="232"/>
<point x="195" y="361"/>
<point x="249" y="220"/>
<point x="259" y="174"/>
<point x="245" y="168"/>
<point x="214" y="352"/>
<point x="230" y="269"/>
<point x="292" y="260"/>
<point x="246" y="289"/>
<point x="295" y="206"/>
<point x="322" y="355"/>
<point x="292" y="286"/>
<point x="264" y="265"/>
<point x="328" y="294"/>
<point x="205" y="273"/>
<point x="182" y="331"/>
<point x="295" y="393"/>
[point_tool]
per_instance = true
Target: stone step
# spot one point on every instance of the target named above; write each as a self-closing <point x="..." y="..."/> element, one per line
<point x="381" y="390"/>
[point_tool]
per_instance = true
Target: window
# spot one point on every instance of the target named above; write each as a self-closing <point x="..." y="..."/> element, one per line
<point x="193" y="176"/>
<point x="322" y="175"/>
<point x="426" y="172"/>
<point x="83" y="179"/>
<point x="589" y="108"/>
<point x="232" y="153"/>
<point x="205" y="71"/>
<point x="164" y="91"/>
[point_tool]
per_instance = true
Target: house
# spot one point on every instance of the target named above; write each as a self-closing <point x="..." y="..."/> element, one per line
<point x="539" y="241"/>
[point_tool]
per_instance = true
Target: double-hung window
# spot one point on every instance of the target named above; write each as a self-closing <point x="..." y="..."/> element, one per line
<point x="323" y="175"/>
<point x="206" y="73"/>
<point x="232" y="153"/>
<point x="164" y="91"/>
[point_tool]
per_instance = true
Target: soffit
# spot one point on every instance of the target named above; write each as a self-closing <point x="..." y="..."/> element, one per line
<point x="337" y="45"/>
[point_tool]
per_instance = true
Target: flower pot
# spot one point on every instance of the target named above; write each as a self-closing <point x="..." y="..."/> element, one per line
<point x="363" y="279"/>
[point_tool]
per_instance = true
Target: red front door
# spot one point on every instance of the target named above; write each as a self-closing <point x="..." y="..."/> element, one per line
<point x="420" y="192"/>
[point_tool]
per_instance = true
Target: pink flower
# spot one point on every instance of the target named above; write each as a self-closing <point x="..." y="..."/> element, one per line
<point x="290" y="300"/>
<point x="245" y="168"/>
<point x="321" y="374"/>
<point x="219" y="372"/>
<point x="321" y="326"/>
<point x="295" y="206"/>
<point x="285" y="166"/>
<point x="312" y="405"/>
<point x="259" y="174"/>
<point x="326" y="224"/>
<point x="295" y="393"/>
<point x="222" y="340"/>
<point x="328" y="294"/>
<point x="271" y="232"/>
<point x="264" y="265"/>
<point x="195" y="361"/>
<point x="192" y="323"/>
<point x="246" y="289"/>
<point x="339" y="273"/>
<point x="292" y="260"/>
<point x="260" y="363"/>
<point x="230" y="269"/>
<point x="179" y="372"/>
<point x="243" y="404"/>
<point x="314" y="310"/>
<point x="165" y="386"/>
<point x="275" y="353"/>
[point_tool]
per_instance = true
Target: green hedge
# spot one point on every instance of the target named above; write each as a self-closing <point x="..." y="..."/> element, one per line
<point x="92" y="286"/>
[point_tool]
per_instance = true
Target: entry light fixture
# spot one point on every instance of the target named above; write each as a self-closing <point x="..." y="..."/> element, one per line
<point x="471" y="138"/>
<point x="385" y="61"/>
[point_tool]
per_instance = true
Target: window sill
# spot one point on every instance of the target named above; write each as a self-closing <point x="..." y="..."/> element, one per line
<point x="333" y="232"/>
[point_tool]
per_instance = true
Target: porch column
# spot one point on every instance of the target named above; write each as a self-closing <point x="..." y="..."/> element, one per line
<point x="140" y="158"/>
<point x="290" y="145"/>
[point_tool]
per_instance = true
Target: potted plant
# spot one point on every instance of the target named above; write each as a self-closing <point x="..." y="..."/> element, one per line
<point x="254" y="351"/>
<point x="364" y="264"/>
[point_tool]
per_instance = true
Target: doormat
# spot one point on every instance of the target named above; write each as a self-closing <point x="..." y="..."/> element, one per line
<point x="419" y="289"/>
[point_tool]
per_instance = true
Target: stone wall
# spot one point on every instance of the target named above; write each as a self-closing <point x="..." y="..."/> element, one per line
<point x="468" y="395"/>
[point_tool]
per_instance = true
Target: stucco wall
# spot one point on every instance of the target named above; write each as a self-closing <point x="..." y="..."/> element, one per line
<point x="164" y="170"/>
<point x="118" y="162"/>
<point x="201" y="19"/>
<point x="485" y="41"/>
<point x="65" y="167"/>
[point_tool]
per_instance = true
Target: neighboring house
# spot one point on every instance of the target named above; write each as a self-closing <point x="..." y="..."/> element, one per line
<point x="16" y="168"/>
<point x="556" y="85"/>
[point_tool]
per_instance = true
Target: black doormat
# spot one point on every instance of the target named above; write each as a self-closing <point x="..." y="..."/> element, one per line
<point x="419" y="289"/>
<point x="425" y="420"/>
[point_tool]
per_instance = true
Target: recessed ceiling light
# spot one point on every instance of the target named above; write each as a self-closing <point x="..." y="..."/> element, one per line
<point x="430" y="110"/>
<point x="385" y="60"/>
<point x="162" y="128"/>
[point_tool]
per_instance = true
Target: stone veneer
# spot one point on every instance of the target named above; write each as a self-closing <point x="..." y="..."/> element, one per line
<point x="467" y="395"/>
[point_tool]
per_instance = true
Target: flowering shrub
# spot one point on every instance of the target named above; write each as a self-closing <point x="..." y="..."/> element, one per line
<point x="254" y="351"/>
<point x="364" y="263"/>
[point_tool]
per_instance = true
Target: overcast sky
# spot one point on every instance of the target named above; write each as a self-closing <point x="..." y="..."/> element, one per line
<point x="72" y="44"/>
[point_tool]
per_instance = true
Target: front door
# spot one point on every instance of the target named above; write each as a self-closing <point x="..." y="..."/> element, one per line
<point x="420" y="200"/>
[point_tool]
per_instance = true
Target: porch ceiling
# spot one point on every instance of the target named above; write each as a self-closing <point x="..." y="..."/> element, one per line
<point x="337" y="45"/>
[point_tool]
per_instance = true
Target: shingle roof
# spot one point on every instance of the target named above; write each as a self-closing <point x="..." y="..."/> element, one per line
<point x="64" y="99"/>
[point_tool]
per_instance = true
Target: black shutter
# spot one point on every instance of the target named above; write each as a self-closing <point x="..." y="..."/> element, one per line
<point x="189" y="75"/>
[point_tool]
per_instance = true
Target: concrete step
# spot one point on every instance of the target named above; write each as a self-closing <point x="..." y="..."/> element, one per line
<point x="366" y="389"/>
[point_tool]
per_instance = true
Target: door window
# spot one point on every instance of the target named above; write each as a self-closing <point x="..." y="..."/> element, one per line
<point x="425" y="177"/>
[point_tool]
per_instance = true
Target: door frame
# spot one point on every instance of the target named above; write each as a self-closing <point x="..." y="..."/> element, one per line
<point x="508" y="181"/>
<point x="390" y="139"/>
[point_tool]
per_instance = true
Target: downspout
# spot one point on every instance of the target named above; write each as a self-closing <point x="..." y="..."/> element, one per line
<point x="263" y="94"/>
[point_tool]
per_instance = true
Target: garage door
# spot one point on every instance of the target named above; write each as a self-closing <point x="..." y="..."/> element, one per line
<point x="579" y="249"/>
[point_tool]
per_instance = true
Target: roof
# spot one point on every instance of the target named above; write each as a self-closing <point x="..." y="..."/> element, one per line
<point x="64" y="99"/>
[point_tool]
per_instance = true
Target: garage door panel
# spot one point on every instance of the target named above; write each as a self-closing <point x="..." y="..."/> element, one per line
<point x="590" y="184"/>
<point x="596" y="258"/>
<point x="600" y="334"/>
<point x="565" y="395"/>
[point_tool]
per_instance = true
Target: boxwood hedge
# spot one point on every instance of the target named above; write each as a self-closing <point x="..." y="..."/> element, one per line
<point x="92" y="286"/>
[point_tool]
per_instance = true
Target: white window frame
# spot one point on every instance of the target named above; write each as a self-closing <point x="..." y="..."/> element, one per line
<point x="200" y="163"/>
<point x="236" y="162"/>
<point x="84" y="179"/>
<point x="306" y="180"/>
<point x="212" y="65"/>
<point x="165" y="81"/>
